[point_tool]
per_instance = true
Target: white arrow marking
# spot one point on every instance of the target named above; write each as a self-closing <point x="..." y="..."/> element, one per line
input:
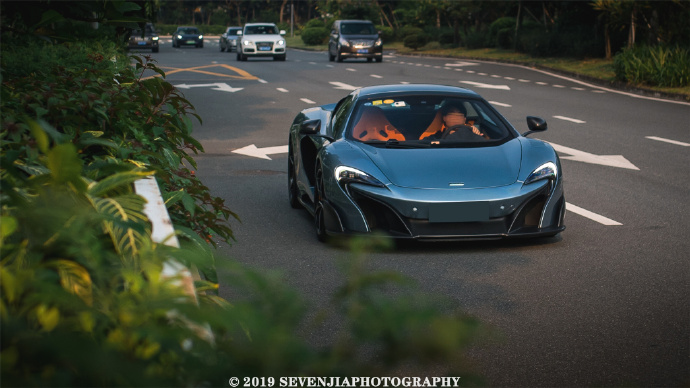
<point x="261" y="153"/>
<point x="592" y="216"/>
<point x="340" y="85"/>
<point x="486" y="86"/>
<point x="676" y="142"/>
<point x="604" y="160"/>
<point x="569" y="119"/>
<point x="223" y="87"/>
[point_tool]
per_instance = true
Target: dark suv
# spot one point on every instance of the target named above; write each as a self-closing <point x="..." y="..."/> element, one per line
<point x="148" y="39"/>
<point x="354" y="39"/>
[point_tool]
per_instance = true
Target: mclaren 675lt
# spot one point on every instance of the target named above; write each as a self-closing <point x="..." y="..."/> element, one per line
<point x="425" y="162"/>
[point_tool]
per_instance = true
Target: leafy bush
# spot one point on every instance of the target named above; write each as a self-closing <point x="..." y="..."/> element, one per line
<point x="315" y="35"/>
<point x="402" y="33"/>
<point x="415" y="41"/>
<point x="387" y="33"/>
<point x="658" y="66"/>
<point x="476" y="39"/>
<point x="315" y="23"/>
<point x="499" y="32"/>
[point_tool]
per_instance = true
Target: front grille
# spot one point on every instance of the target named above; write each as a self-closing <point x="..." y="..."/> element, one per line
<point x="264" y="46"/>
<point x="362" y="43"/>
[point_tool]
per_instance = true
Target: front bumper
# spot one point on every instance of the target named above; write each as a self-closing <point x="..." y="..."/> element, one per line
<point x="512" y="211"/>
<point x="361" y="52"/>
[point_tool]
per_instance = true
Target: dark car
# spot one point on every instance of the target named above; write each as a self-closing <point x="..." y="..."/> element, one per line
<point x="187" y="36"/>
<point x="354" y="39"/>
<point x="228" y="41"/>
<point x="144" y="39"/>
<point x="388" y="159"/>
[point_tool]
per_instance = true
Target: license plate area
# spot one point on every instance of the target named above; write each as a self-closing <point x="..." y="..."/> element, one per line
<point x="459" y="212"/>
<point x="362" y="51"/>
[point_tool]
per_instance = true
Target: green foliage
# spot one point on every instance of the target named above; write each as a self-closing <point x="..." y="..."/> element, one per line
<point x="315" y="35"/>
<point x="415" y="41"/>
<point x="315" y="23"/>
<point x="657" y="66"/>
<point x="387" y="33"/>
<point x="500" y="32"/>
<point x="476" y="39"/>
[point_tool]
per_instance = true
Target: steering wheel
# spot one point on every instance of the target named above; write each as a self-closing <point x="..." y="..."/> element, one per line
<point x="455" y="128"/>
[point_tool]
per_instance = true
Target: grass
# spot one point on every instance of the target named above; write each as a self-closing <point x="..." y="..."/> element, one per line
<point x="595" y="69"/>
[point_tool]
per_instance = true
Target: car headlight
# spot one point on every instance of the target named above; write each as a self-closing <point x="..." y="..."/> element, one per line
<point x="345" y="175"/>
<point x="344" y="43"/>
<point x="545" y="171"/>
<point x="378" y="42"/>
<point x="246" y="43"/>
<point x="281" y="42"/>
<point x="155" y="38"/>
<point x="179" y="37"/>
<point x="201" y="37"/>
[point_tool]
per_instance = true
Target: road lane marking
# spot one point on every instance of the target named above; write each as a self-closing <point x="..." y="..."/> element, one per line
<point x="592" y="216"/>
<point x="676" y="142"/>
<point x="262" y="81"/>
<point x="221" y="86"/>
<point x="308" y="101"/>
<point x="486" y="86"/>
<point x="576" y="121"/>
<point x="199" y="69"/>
<point x="343" y="86"/>
<point x="558" y="86"/>
<point x="282" y="90"/>
<point x="350" y="69"/>
<point x="461" y="63"/>
<point x="541" y="83"/>
<point x="500" y="104"/>
<point x="261" y="153"/>
<point x="586" y="157"/>
<point x="376" y="76"/>
<point x="524" y="80"/>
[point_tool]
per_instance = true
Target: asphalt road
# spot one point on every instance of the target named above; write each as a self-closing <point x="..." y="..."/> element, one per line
<point x="606" y="303"/>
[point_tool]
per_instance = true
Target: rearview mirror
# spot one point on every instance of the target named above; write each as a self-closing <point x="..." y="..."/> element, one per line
<point x="239" y="33"/>
<point x="535" y="124"/>
<point x="282" y="32"/>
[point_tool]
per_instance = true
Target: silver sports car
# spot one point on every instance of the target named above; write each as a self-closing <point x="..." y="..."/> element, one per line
<point x="422" y="162"/>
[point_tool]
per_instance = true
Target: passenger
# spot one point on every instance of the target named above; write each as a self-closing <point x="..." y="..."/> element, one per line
<point x="453" y="114"/>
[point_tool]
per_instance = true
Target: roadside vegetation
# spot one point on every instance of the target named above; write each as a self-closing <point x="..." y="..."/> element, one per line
<point x="82" y="298"/>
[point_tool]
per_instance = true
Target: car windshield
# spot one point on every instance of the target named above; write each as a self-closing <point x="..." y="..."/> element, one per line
<point x="260" y="30"/>
<point x="188" y="31"/>
<point x="233" y="31"/>
<point x="357" y="29"/>
<point x="426" y="121"/>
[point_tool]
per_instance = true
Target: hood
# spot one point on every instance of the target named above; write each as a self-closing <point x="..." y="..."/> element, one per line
<point x="438" y="168"/>
<point x="263" y="37"/>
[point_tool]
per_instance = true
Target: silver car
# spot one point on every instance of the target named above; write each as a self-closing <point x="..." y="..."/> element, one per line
<point x="228" y="41"/>
<point x="262" y="40"/>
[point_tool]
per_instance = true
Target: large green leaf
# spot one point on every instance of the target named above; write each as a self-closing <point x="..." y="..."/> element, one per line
<point x="116" y="181"/>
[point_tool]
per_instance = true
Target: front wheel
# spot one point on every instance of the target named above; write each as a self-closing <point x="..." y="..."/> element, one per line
<point x="293" y="192"/>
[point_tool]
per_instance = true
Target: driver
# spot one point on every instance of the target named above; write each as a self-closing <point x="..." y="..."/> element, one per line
<point x="453" y="114"/>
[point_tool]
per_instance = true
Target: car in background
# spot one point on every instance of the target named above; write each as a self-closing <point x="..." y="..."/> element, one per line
<point x="382" y="161"/>
<point x="187" y="36"/>
<point x="354" y="39"/>
<point x="228" y="41"/>
<point x="146" y="39"/>
<point x="262" y="40"/>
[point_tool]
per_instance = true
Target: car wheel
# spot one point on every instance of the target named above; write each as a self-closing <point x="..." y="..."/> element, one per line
<point x="239" y="56"/>
<point x="319" y="216"/>
<point x="370" y="59"/>
<point x="339" y="58"/>
<point x="154" y="50"/>
<point x="379" y="59"/>
<point x="331" y="57"/>
<point x="222" y="49"/>
<point x="293" y="193"/>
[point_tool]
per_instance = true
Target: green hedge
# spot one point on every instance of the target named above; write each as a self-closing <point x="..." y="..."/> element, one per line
<point x="312" y="36"/>
<point x="656" y="66"/>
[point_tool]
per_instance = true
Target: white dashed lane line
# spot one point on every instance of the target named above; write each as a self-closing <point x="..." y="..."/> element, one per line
<point x="376" y="76"/>
<point x="308" y="101"/>
<point x="676" y="142"/>
<point x="282" y="90"/>
<point x="572" y="120"/>
<point x="592" y="216"/>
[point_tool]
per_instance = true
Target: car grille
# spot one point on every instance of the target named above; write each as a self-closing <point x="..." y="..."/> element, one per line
<point x="362" y="43"/>
<point x="262" y="46"/>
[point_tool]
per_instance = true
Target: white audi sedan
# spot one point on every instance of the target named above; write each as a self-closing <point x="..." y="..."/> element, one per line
<point x="262" y="40"/>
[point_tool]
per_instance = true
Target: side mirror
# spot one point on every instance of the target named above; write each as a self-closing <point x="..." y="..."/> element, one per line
<point x="310" y="127"/>
<point x="282" y="32"/>
<point x="239" y="33"/>
<point x="535" y="124"/>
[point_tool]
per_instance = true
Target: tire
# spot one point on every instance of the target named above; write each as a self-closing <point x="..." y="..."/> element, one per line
<point x="339" y="58"/>
<point x="319" y="217"/>
<point x="239" y="56"/>
<point x="379" y="59"/>
<point x="370" y="60"/>
<point x="222" y="49"/>
<point x="293" y="192"/>
<point x="154" y="50"/>
<point x="279" y="57"/>
<point x="331" y="57"/>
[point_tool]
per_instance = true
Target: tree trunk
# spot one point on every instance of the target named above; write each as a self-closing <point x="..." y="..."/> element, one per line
<point x="607" y="38"/>
<point x="282" y="9"/>
<point x="631" y="33"/>
<point x="518" y="25"/>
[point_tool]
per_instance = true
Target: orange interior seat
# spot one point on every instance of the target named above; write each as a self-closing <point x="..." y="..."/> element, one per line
<point x="373" y="125"/>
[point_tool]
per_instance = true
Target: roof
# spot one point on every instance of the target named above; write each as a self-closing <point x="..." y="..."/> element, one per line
<point x="415" y="89"/>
